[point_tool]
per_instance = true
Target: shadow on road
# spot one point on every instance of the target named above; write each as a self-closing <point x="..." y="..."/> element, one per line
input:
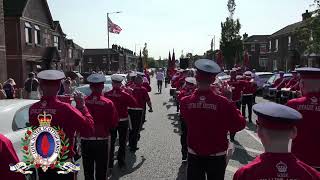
<point x="175" y="122"/>
<point x="252" y="127"/>
<point x="182" y="174"/>
<point x="241" y="155"/>
<point x="130" y="160"/>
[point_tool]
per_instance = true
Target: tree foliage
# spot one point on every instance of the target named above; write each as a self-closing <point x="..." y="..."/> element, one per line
<point x="309" y="33"/>
<point x="231" y="41"/>
<point x="231" y="7"/>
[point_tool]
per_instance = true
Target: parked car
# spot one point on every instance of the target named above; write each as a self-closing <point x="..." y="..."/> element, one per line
<point x="267" y="91"/>
<point x="14" y="118"/>
<point x="85" y="89"/>
<point x="263" y="78"/>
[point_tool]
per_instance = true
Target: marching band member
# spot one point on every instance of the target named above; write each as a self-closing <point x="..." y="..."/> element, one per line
<point x="247" y="96"/>
<point x="96" y="146"/>
<point x="187" y="90"/>
<point x="63" y="115"/>
<point x="276" y="127"/>
<point x="8" y="156"/>
<point x="209" y="118"/>
<point x="122" y="102"/>
<point x="306" y="146"/>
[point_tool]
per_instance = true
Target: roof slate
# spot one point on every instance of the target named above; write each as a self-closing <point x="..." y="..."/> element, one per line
<point x="14" y="7"/>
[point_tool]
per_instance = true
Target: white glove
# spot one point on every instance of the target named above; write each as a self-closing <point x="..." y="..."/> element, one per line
<point x="79" y="99"/>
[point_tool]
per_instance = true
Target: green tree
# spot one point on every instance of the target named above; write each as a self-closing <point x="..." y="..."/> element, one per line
<point x="231" y="40"/>
<point x="309" y="34"/>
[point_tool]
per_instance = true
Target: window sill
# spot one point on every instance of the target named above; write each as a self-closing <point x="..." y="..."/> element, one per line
<point x="28" y="44"/>
<point x="38" y="45"/>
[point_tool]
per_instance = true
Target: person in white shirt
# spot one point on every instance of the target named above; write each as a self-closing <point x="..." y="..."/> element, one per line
<point x="160" y="78"/>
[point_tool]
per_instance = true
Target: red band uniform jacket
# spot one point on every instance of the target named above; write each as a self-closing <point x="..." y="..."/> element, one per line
<point x="122" y="101"/>
<point x="65" y="116"/>
<point x="306" y="146"/>
<point x="104" y="114"/>
<point x="209" y="117"/>
<point x="273" y="166"/>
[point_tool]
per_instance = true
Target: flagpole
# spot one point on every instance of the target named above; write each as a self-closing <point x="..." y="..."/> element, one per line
<point x="108" y="31"/>
<point x="108" y="25"/>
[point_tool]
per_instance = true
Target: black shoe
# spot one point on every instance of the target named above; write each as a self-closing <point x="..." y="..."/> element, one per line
<point x="184" y="158"/>
<point x="121" y="164"/>
<point x="133" y="150"/>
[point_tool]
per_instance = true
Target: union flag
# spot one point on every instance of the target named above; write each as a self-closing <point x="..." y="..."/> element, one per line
<point x="113" y="28"/>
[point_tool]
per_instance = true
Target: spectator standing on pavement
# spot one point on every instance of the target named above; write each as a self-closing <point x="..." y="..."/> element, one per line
<point x="8" y="156"/>
<point x="276" y="127"/>
<point x="209" y="118"/>
<point x="8" y="87"/>
<point x="96" y="147"/>
<point x="64" y="115"/>
<point x="31" y="86"/>
<point x="160" y="78"/>
<point x="2" y="92"/>
<point x="306" y="145"/>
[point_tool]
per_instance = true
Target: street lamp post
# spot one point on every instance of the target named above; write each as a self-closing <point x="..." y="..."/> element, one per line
<point x="117" y="12"/>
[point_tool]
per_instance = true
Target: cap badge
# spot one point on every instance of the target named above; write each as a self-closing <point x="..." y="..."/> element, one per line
<point x="282" y="167"/>
<point x="44" y="104"/>
<point x="202" y="98"/>
<point x="314" y="100"/>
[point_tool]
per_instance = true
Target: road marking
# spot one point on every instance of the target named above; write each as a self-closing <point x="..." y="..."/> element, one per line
<point x="253" y="135"/>
<point x="232" y="169"/>
<point x="248" y="149"/>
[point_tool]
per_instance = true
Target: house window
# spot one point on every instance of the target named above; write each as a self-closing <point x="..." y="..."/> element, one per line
<point x="37" y="38"/>
<point x="56" y="42"/>
<point x="104" y="60"/>
<point x="253" y="47"/>
<point x="263" y="62"/>
<point x="275" y="67"/>
<point x="277" y="45"/>
<point x="89" y="60"/>
<point x="263" y="48"/>
<point x="311" y="36"/>
<point x="70" y="53"/>
<point x="270" y="46"/>
<point x="28" y="32"/>
<point x="289" y="42"/>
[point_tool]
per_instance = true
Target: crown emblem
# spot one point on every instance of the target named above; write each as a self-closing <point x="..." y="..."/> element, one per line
<point x="282" y="167"/>
<point x="44" y="119"/>
<point x="314" y="100"/>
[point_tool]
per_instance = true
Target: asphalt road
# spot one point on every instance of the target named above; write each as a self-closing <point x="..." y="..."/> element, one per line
<point x="159" y="155"/>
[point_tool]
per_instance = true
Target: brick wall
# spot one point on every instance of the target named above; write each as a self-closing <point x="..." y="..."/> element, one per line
<point x="3" y="62"/>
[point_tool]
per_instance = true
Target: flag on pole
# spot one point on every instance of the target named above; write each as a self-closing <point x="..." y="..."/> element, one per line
<point x="113" y="28"/>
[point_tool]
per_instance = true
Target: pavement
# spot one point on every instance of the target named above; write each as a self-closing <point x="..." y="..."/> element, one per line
<point x="159" y="156"/>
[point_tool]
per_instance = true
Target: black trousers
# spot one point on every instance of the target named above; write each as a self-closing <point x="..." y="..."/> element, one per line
<point x="183" y="139"/>
<point x="232" y="135"/>
<point x="178" y="105"/>
<point x="94" y="159"/>
<point x="136" y="121"/>
<point x="122" y="130"/>
<point x="53" y="175"/>
<point x="159" y="82"/>
<point x="199" y="167"/>
<point x="247" y="101"/>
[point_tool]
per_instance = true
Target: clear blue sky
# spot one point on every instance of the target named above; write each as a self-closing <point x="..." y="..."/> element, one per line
<point x="185" y="25"/>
